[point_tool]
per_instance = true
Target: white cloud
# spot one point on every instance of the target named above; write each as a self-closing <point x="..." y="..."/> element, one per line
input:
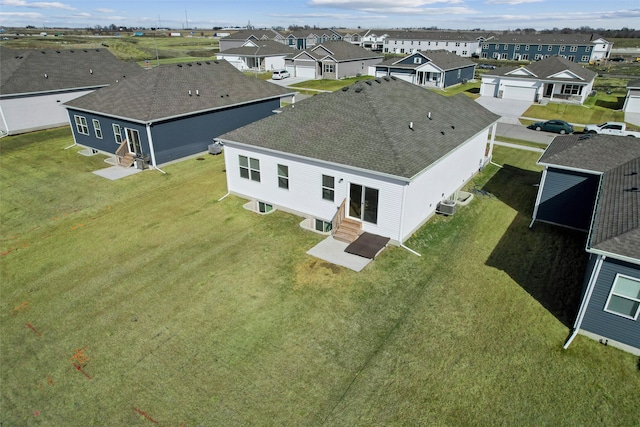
<point x="27" y="15"/>
<point x="378" y="4"/>
<point x="82" y="15"/>
<point x="36" y="5"/>
<point x="512" y="2"/>
<point x="104" y="10"/>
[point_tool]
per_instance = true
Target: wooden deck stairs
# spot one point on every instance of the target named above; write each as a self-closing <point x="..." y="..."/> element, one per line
<point x="345" y="229"/>
<point x="123" y="156"/>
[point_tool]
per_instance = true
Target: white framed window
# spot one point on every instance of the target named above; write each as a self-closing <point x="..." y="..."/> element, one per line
<point x="585" y="58"/>
<point x="538" y="56"/>
<point x="525" y="56"/>
<point x="465" y="53"/>
<point x="484" y="55"/>
<point x="571" y="58"/>
<point x="504" y="56"/>
<point x="539" y="47"/>
<point x="550" y="48"/>
<point x="457" y="44"/>
<point x="496" y="55"/>
<point x="283" y="176"/>
<point x="264" y="207"/>
<point x="249" y="168"/>
<point x="526" y="47"/>
<point x="485" y="45"/>
<point x="587" y="49"/>
<point x="562" y="48"/>
<point x="81" y="125"/>
<point x="505" y="47"/>
<point x="328" y="187"/>
<point x="96" y="128"/>
<point x="417" y="60"/>
<point x="624" y="298"/>
<point x="517" y="47"/>
<point x="323" y="226"/>
<point x="117" y="133"/>
<point x="573" y="49"/>
<point x="569" y="89"/>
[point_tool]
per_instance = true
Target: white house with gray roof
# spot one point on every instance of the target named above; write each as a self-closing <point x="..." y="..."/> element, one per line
<point x="592" y="183"/>
<point x="170" y="111"/>
<point x="551" y="79"/>
<point x="35" y="83"/>
<point x="364" y="154"/>
<point x="257" y="55"/>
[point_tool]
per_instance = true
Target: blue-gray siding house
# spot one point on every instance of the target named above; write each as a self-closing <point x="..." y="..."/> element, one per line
<point x="592" y="182"/>
<point x="170" y="112"/>
<point x="436" y="68"/>
<point x="533" y="47"/>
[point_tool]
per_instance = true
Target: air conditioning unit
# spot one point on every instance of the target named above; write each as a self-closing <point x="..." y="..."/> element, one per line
<point x="446" y="207"/>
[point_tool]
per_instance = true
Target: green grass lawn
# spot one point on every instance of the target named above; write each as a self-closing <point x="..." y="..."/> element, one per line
<point x="574" y="113"/>
<point x="189" y="311"/>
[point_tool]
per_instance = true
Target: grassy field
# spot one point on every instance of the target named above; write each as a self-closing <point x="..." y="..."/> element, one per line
<point x="182" y="310"/>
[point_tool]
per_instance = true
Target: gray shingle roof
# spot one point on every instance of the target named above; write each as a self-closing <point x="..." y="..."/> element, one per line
<point x="561" y="39"/>
<point x="616" y="225"/>
<point x="367" y="127"/>
<point x="269" y="34"/>
<point x="344" y="51"/>
<point x="545" y="68"/>
<point x="23" y="71"/>
<point x="264" y="48"/>
<point x="163" y="92"/>
<point x="442" y="59"/>
<point x="468" y="36"/>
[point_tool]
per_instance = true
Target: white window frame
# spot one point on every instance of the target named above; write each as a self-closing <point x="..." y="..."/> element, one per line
<point x="613" y="293"/>
<point x="81" y="124"/>
<point x="417" y="60"/>
<point x="573" y="49"/>
<point x="96" y="128"/>
<point x="250" y="166"/>
<point x="562" y="48"/>
<point x="585" y="58"/>
<point x="526" y="47"/>
<point x="550" y="48"/>
<point x="322" y="226"/>
<point x="328" y="192"/>
<point x="283" y="176"/>
<point x="117" y="133"/>
<point x="571" y="89"/>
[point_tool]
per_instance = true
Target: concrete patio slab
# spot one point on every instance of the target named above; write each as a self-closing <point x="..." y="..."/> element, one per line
<point x="116" y="172"/>
<point x="509" y="109"/>
<point x="332" y="251"/>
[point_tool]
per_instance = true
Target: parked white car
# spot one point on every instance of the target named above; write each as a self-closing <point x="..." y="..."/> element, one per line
<point x="611" y="128"/>
<point x="280" y="74"/>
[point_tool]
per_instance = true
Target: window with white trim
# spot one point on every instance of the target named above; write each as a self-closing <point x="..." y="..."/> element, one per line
<point x="587" y="49"/>
<point x="283" y="176"/>
<point x="517" y="47"/>
<point x="249" y="168"/>
<point x="571" y="58"/>
<point x="417" y="60"/>
<point x="264" y="207"/>
<point x="328" y="187"/>
<point x="573" y="49"/>
<point x="562" y="48"/>
<point x="624" y="298"/>
<point x="81" y="125"/>
<point x="117" y="133"/>
<point x="525" y="57"/>
<point x="550" y="48"/>
<point x="572" y="89"/>
<point x="539" y="47"/>
<point x="526" y="47"/>
<point x="323" y="226"/>
<point x="585" y="58"/>
<point x="96" y="128"/>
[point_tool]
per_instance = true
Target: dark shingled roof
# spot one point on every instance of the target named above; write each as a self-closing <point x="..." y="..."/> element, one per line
<point x="263" y="48"/>
<point x="23" y="71"/>
<point x="366" y="126"/>
<point x="545" y="68"/>
<point x="616" y="225"/>
<point x="344" y="51"/>
<point x="442" y="59"/>
<point x="268" y="34"/>
<point x="561" y="39"/>
<point x="163" y="92"/>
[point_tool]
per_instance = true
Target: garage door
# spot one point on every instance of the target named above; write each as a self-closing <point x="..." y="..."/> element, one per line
<point x="519" y="93"/>
<point x="403" y="76"/>
<point x="488" y="89"/>
<point x="307" y="72"/>
<point x="633" y="105"/>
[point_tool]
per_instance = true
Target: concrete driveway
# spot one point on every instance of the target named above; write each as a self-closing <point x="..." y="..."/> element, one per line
<point x="509" y="109"/>
<point x="289" y="81"/>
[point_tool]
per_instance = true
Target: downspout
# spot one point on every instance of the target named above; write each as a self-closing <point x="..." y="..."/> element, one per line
<point x="404" y="189"/>
<point x="539" y="196"/>
<point x="585" y="300"/>
<point x="152" y="150"/>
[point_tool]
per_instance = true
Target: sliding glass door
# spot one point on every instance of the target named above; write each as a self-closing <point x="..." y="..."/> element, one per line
<point x="363" y="203"/>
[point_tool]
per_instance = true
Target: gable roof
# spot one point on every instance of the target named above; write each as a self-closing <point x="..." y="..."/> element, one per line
<point x="366" y="126"/>
<point x="49" y="70"/>
<point x="344" y="51"/>
<point x="442" y="59"/>
<point x="616" y="225"/>
<point x="559" y="39"/>
<point x="170" y="91"/>
<point x="263" y="48"/>
<point x="268" y="34"/>
<point x="548" y="68"/>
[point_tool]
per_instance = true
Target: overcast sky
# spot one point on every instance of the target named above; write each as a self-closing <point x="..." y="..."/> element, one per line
<point x="205" y="14"/>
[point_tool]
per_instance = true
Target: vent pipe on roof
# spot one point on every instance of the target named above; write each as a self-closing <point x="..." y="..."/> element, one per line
<point x="411" y="125"/>
<point x="90" y="71"/>
<point x="429" y="115"/>
<point x="189" y="92"/>
<point x="46" y="77"/>
<point x="197" y="92"/>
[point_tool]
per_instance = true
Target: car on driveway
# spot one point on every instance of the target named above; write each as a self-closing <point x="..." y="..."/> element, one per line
<point x="557" y="126"/>
<point x="487" y="66"/>
<point x="617" y="59"/>
<point x="280" y="74"/>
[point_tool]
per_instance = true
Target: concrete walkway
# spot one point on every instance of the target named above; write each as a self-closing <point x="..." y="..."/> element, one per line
<point x="332" y="251"/>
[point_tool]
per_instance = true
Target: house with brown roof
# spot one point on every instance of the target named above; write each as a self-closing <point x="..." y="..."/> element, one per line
<point x="332" y="60"/>
<point x="592" y="183"/>
<point x="361" y="159"/>
<point x="34" y="84"/>
<point x="171" y="111"/>
<point x="437" y="69"/>
<point x="551" y="79"/>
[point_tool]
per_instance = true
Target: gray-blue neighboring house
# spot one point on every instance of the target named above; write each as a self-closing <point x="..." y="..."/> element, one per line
<point x="592" y="183"/>
<point x="171" y="111"/>
<point x="437" y="68"/>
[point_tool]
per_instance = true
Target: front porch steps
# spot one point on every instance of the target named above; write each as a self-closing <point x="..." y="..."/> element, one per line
<point x="127" y="160"/>
<point x="348" y="230"/>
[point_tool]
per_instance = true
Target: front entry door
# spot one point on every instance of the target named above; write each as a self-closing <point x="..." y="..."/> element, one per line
<point x="133" y="138"/>
<point x="363" y="203"/>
